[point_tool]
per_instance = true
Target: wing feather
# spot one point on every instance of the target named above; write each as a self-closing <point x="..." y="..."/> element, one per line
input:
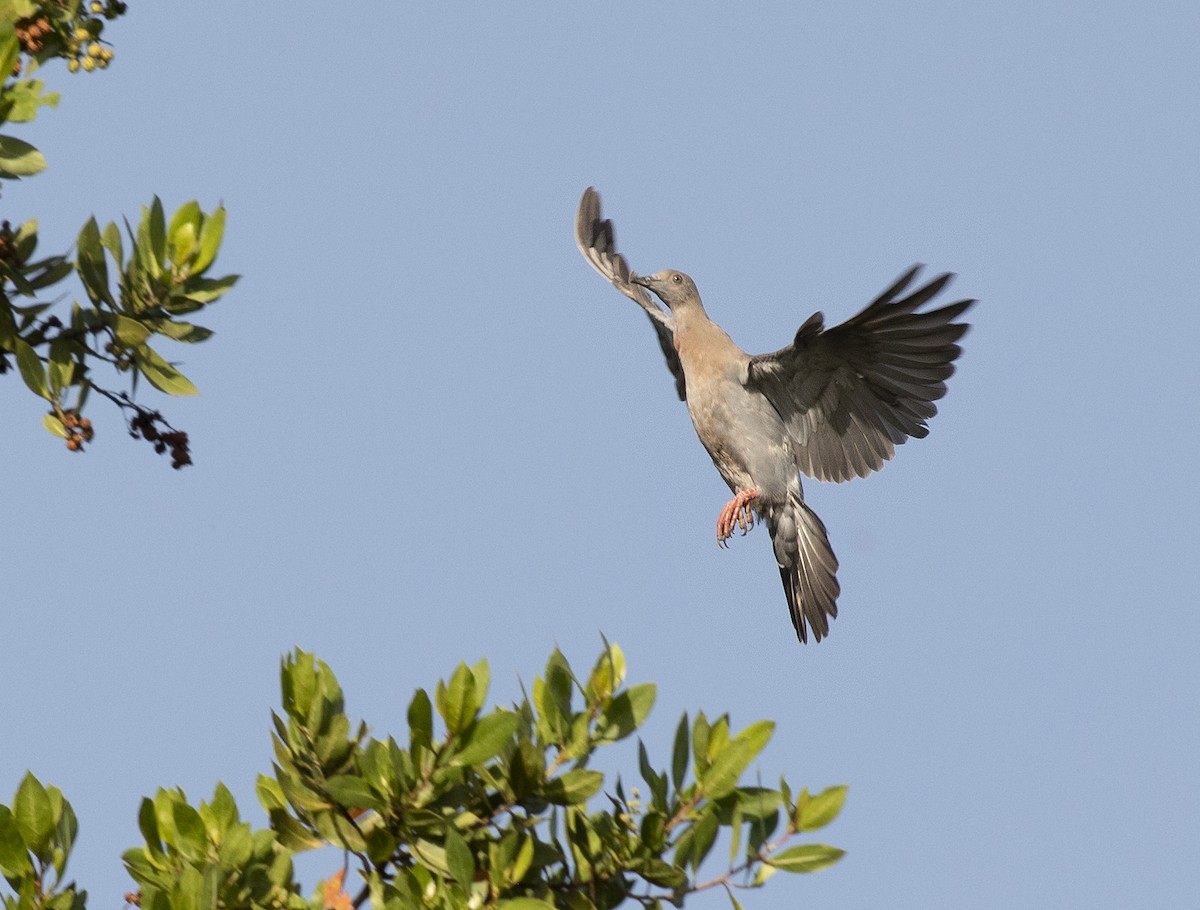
<point x="596" y="239"/>
<point x="850" y="394"/>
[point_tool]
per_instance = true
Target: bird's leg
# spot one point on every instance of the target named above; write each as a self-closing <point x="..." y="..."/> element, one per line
<point x="736" y="513"/>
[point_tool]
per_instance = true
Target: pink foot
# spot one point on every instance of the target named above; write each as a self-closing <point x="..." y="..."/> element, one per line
<point x="736" y="514"/>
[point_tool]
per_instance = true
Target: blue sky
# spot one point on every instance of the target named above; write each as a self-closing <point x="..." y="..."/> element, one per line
<point x="428" y="432"/>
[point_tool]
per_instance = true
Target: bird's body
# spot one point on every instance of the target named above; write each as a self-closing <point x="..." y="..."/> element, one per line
<point x="833" y="404"/>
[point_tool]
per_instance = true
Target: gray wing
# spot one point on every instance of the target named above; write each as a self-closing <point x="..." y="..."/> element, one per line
<point x="851" y="394"/>
<point x="597" y="241"/>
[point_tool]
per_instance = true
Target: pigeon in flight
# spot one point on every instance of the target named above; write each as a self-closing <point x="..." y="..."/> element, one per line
<point x="833" y="404"/>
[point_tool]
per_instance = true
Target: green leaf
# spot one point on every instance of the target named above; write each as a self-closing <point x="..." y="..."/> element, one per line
<point x="487" y="737"/>
<point x="813" y="812"/>
<point x="700" y="734"/>
<point x="156" y="234"/>
<point x="14" y="858"/>
<point x="607" y="675"/>
<point x="161" y="374"/>
<point x="186" y="216"/>
<point x="54" y="426"/>
<point x="625" y="713"/>
<point x="31" y="368"/>
<point x="34" y="814"/>
<point x="47" y="272"/>
<point x="351" y="792"/>
<point x="270" y="795"/>
<point x="192" y="836"/>
<point x="199" y="290"/>
<point x="679" y="753"/>
<point x="573" y="787"/>
<point x="459" y="859"/>
<point x="26" y="97"/>
<point x="89" y="260"/>
<point x="660" y="872"/>
<point x="522" y="862"/>
<point x="10" y="47"/>
<point x="420" y="721"/>
<point x="223" y="808"/>
<point x="523" y="903"/>
<point x="729" y="763"/>
<point x="130" y="332"/>
<point x="62" y="365"/>
<point x="178" y="331"/>
<point x="806" y="858"/>
<point x="456" y="702"/>
<point x="703" y="837"/>
<point x="211" y="234"/>
<point x="19" y="159"/>
<point x="110" y="239"/>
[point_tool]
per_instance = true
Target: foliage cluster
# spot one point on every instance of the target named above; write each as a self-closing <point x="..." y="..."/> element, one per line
<point x="472" y="808"/>
<point x="141" y="295"/>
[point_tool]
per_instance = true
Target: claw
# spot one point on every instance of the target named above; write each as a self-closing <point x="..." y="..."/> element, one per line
<point x="736" y="513"/>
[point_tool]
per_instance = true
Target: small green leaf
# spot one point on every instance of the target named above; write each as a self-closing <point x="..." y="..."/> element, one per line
<point x="26" y="97"/>
<point x="156" y="230"/>
<point x="19" y="159"/>
<point x="178" y="331"/>
<point x="223" y="808"/>
<point x="806" y="858"/>
<point x="813" y="812"/>
<point x="575" y="786"/>
<point x="62" y="364"/>
<point x="270" y="796"/>
<point x="65" y="831"/>
<point x="420" y="721"/>
<point x="89" y="260"/>
<point x="54" y="426"/>
<point x="607" y="675"/>
<point x="211" y="234"/>
<point x="161" y="374"/>
<point x="34" y="814"/>
<point x="459" y="858"/>
<point x="110" y="239"/>
<point x="625" y="713"/>
<point x="351" y="792"/>
<point x="523" y="903"/>
<point x="130" y="332"/>
<point x="456" y="702"/>
<point x="729" y="763"/>
<point x="659" y="872"/>
<point x="522" y="862"/>
<point x="200" y="290"/>
<point x="31" y="368"/>
<point x="192" y="836"/>
<point x="704" y="836"/>
<point x="186" y="216"/>
<point x="183" y="244"/>
<point x="487" y="737"/>
<point x="679" y="753"/>
<point x="14" y="857"/>
<point x="10" y="47"/>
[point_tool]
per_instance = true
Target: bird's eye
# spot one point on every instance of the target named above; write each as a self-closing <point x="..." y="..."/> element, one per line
<point x="676" y="278"/>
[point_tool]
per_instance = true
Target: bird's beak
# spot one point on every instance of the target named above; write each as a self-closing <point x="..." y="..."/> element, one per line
<point x="638" y="279"/>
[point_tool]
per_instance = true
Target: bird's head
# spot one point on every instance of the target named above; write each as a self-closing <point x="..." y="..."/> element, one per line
<point x="675" y="289"/>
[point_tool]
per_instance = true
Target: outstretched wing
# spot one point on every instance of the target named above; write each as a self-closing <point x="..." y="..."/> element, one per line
<point x="597" y="241"/>
<point x="851" y="394"/>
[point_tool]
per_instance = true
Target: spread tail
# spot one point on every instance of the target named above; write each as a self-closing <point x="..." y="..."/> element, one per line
<point x="806" y="565"/>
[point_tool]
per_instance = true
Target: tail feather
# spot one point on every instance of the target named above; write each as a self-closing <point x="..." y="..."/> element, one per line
<point x="806" y="565"/>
